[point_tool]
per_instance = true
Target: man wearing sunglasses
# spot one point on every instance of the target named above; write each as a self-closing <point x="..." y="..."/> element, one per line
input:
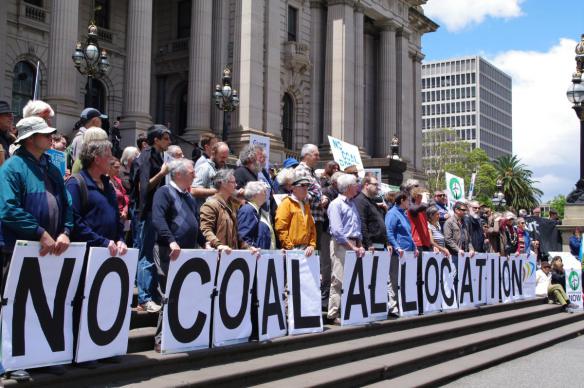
<point x="440" y="202"/>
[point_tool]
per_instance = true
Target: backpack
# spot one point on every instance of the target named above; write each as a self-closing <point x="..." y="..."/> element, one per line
<point x="83" y="189"/>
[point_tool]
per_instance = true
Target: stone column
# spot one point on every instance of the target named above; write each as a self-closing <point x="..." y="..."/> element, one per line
<point x="272" y="120"/>
<point x="339" y="98"/>
<point x="219" y="48"/>
<point x="371" y="96"/>
<point x="405" y="115"/>
<point x="359" y="78"/>
<point x="317" y="51"/>
<point x="3" y="27"/>
<point x="248" y="66"/>
<point x="136" y="108"/>
<point x="200" y="61"/>
<point x="417" y="58"/>
<point x="386" y="107"/>
<point x="61" y="75"/>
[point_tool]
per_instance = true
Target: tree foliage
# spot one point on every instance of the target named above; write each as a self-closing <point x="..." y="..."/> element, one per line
<point x="442" y="149"/>
<point x="518" y="184"/>
<point x="559" y="203"/>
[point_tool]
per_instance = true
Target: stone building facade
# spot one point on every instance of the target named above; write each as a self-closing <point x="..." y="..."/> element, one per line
<point x="304" y="69"/>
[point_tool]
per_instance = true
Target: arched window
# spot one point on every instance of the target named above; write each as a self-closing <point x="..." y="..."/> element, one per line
<point x="96" y="99"/>
<point x="22" y="86"/>
<point x="287" y="121"/>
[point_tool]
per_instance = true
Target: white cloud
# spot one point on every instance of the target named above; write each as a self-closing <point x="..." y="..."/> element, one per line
<point x="546" y="132"/>
<point x="455" y="15"/>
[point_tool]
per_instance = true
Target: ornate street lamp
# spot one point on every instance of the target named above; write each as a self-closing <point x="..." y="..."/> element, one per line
<point x="91" y="60"/>
<point x="499" y="197"/>
<point x="226" y="99"/>
<point x="575" y="94"/>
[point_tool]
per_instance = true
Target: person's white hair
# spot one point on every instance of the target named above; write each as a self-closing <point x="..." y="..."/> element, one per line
<point x="285" y="176"/>
<point x="253" y="188"/>
<point x="345" y="181"/>
<point x="35" y="108"/>
<point x="248" y="153"/>
<point x="473" y="203"/>
<point x="179" y="166"/>
<point x="522" y="213"/>
<point x="307" y="149"/>
<point x="94" y="133"/>
<point x="335" y="177"/>
<point x="174" y="151"/>
<point x="129" y="153"/>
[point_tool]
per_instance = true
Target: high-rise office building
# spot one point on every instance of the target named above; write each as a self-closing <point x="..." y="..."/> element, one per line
<point x="472" y="97"/>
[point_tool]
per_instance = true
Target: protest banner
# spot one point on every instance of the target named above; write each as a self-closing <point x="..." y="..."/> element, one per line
<point x="454" y="189"/>
<point x="37" y="326"/>
<point x="573" y="271"/>
<point x="375" y="171"/>
<point x="270" y="294"/>
<point x="105" y="311"/>
<point x="448" y="274"/>
<point x="231" y="309"/>
<point x="528" y="273"/>
<point x="345" y="154"/>
<point x="516" y="277"/>
<point x="186" y="320"/>
<point x="364" y="297"/>
<point x="264" y="141"/>
<point x="546" y="231"/>
<point x="505" y="285"/>
<point x="304" y="303"/>
<point x="58" y="159"/>
<point x="408" y="288"/>
<point x="470" y="280"/>
<point x="431" y="264"/>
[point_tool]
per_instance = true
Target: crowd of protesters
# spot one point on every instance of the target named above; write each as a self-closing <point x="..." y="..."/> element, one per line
<point x="154" y="199"/>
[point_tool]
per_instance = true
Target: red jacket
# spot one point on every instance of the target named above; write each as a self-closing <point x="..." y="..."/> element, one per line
<point x="420" y="232"/>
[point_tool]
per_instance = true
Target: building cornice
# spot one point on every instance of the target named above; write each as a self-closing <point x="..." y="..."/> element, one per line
<point x="421" y="22"/>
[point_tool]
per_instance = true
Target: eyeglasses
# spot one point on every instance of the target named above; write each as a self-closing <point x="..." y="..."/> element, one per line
<point x="462" y="210"/>
<point x="440" y="195"/>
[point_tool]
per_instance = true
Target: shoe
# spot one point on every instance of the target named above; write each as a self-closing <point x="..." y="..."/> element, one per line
<point x="392" y="315"/>
<point x="157" y="348"/>
<point x="18" y="375"/>
<point x="573" y="306"/>
<point x="149" y="307"/>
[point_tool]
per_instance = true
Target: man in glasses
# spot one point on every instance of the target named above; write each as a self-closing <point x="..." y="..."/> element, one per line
<point x="456" y="235"/>
<point x="441" y="203"/>
<point x="372" y="217"/>
<point x="6" y="122"/>
<point x="474" y="224"/>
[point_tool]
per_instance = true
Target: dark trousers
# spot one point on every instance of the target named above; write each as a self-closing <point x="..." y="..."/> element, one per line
<point x="162" y="262"/>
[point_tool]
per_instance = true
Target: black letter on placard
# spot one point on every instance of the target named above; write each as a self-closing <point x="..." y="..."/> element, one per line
<point x="31" y="281"/>
<point x="272" y="308"/>
<point x="356" y="299"/>
<point x="493" y="278"/>
<point x="98" y="336"/>
<point x="189" y="334"/>
<point x="300" y="322"/>
<point x="406" y="306"/>
<point x="375" y="307"/>
<point x="448" y="299"/>
<point x="432" y="262"/>
<point x="516" y="276"/>
<point x="466" y="286"/>
<point x="229" y="321"/>
<point x="506" y="286"/>
<point x="480" y="263"/>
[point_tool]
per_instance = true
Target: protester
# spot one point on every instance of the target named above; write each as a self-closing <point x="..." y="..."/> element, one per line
<point x="175" y="221"/>
<point x="173" y="152"/>
<point x="128" y="156"/>
<point x="294" y="223"/>
<point x="40" y="109"/>
<point x="6" y="122"/>
<point x="290" y="163"/>
<point x="253" y="223"/>
<point x="90" y="117"/>
<point x="250" y="165"/>
<point x="121" y="195"/>
<point x="148" y="175"/>
<point x="507" y="234"/>
<point x="553" y="215"/>
<point x="536" y="212"/>
<point x="575" y="242"/>
<point x="34" y="204"/>
<point x="557" y="290"/>
<point x="523" y="238"/>
<point x="207" y="142"/>
<point x="440" y="201"/>
<point x="285" y="178"/>
<point x="345" y="231"/>
<point x="418" y="222"/>
<point x="474" y="226"/>
<point x="219" y="215"/>
<point x="436" y="235"/>
<point x="89" y="135"/>
<point x="372" y="218"/>
<point x="202" y="186"/>
<point x="389" y="199"/>
<point x="456" y="235"/>
<point x="142" y="142"/>
<point x="543" y="280"/>
<point x="329" y="169"/>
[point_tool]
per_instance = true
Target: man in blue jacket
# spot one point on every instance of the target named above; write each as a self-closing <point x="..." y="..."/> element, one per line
<point x="34" y="204"/>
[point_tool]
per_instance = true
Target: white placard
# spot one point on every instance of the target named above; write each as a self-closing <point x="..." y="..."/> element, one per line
<point x="408" y="289"/>
<point x="479" y="262"/>
<point x="231" y="309"/>
<point x="573" y="271"/>
<point x="270" y="293"/>
<point x="529" y="270"/>
<point x="492" y="278"/>
<point x="448" y="273"/>
<point x="516" y="277"/>
<point x="37" y="318"/>
<point x="107" y="298"/>
<point x="186" y="318"/>
<point x="345" y="154"/>
<point x="431" y="264"/>
<point x="506" y="287"/>
<point x="354" y="299"/>
<point x="263" y="141"/>
<point x="378" y="273"/>
<point x="454" y="189"/>
<point x="304" y="300"/>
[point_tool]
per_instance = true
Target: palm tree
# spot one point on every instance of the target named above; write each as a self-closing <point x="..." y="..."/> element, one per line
<point x="518" y="185"/>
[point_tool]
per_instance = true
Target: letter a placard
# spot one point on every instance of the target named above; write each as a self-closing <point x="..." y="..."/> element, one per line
<point x="37" y="326"/>
<point x="105" y="313"/>
<point x="270" y="294"/>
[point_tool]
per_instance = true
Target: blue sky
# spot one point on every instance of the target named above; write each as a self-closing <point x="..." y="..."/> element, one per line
<point x="533" y="41"/>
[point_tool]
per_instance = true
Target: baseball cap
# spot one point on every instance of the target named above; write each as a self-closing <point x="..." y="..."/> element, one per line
<point x="89" y="113"/>
<point x="290" y="163"/>
<point x="301" y="181"/>
<point x="31" y="125"/>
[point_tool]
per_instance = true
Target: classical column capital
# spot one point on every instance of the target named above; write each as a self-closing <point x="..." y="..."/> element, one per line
<point x="387" y="25"/>
<point x="404" y="32"/>
<point x="350" y="3"/>
<point x="358" y="7"/>
<point x="416" y="55"/>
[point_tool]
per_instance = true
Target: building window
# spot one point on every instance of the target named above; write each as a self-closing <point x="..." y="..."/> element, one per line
<point x="95" y="99"/>
<point x="287" y="121"/>
<point x="38" y="3"/>
<point x="102" y="12"/>
<point x="184" y="19"/>
<point x="22" y="86"/>
<point x="292" y="24"/>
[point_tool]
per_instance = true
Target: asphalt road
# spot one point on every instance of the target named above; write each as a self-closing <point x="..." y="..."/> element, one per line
<point x="560" y="365"/>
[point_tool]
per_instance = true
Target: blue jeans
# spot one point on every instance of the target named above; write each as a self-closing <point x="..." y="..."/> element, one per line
<point x="147" y="276"/>
<point x="137" y="226"/>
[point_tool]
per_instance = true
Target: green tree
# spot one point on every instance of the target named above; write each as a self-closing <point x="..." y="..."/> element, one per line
<point x="442" y="150"/>
<point x="559" y="203"/>
<point x="518" y="184"/>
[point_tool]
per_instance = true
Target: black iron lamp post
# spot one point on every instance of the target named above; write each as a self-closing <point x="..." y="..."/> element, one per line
<point x="499" y="197"/>
<point x="226" y="99"/>
<point x="90" y="60"/>
<point x="575" y="94"/>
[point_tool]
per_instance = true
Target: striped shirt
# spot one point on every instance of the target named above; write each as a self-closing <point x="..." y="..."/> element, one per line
<point x="437" y="235"/>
